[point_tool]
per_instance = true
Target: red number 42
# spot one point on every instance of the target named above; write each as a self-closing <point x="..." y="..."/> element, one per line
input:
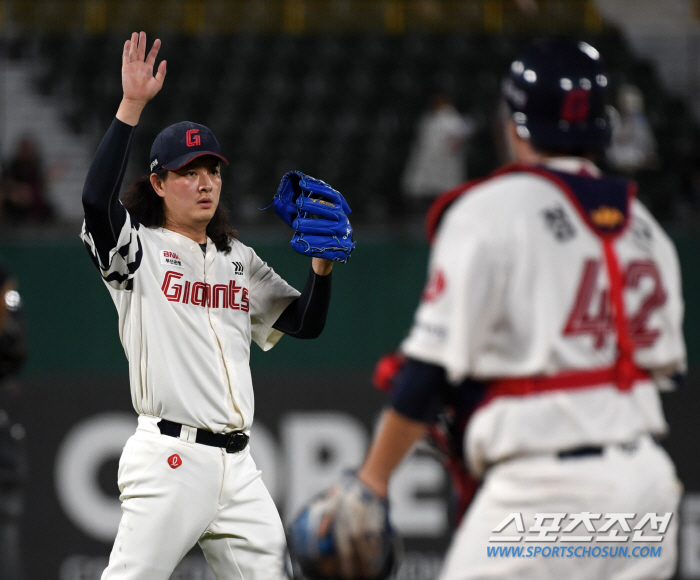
<point x="595" y="317"/>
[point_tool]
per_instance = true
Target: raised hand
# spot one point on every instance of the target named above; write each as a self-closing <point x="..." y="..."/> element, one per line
<point x="139" y="83"/>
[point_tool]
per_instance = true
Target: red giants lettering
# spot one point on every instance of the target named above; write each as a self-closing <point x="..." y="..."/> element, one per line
<point x="220" y="289"/>
<point x="245" y="303"/>
<point x="172" y="291"/>
<point x="203" y="294"/>
<point x="200" y="294"/>
<point x="233" y="289"/>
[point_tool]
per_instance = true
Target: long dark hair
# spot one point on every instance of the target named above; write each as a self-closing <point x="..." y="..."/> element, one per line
<point x="146" y="206"/>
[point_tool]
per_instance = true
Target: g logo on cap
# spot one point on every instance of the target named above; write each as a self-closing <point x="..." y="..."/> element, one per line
<point x="193" y="140"/>
<point x="172" y="152"/>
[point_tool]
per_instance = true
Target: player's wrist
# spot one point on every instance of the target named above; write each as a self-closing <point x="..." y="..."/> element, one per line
<point x="130" y="110"/>
<point x="376" y="484"/>
<point x="321" y="266"/>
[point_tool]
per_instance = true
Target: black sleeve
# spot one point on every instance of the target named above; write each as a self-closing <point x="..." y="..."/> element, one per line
<point x="306" y="316"/>
<point x="422" y="391"/>
<point x="104" y="214"/>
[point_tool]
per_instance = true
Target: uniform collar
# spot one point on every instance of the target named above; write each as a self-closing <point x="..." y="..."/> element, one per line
<point x="183" y="238"/>
<point x="575" y="165"/>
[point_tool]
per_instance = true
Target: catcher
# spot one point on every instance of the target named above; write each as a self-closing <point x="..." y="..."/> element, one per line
<point x="552" y="317"/>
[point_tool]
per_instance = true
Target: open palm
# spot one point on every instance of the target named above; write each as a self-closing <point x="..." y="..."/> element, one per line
<point x="138" y="81"/>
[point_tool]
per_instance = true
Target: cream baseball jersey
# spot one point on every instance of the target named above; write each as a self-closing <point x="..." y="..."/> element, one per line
<point x="559" y="304"/>
<point x="186" y="321"/>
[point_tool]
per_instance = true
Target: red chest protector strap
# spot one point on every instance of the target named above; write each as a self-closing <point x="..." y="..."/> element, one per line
<point x="624" y="372"/>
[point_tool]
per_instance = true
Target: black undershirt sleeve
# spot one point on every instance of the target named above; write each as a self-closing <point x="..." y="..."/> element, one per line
<point x="104" y="214"/>
<point x="305" y="317"/>
<point x="422" y="391"/>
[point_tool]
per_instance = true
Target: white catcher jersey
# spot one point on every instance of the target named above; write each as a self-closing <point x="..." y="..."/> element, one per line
<point x="519" y="289"/>
<point x="186" y="321"/>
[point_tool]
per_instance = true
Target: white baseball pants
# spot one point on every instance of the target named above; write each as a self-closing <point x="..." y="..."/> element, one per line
<point x="618" y="481"/>
<point x="203" y="495"/>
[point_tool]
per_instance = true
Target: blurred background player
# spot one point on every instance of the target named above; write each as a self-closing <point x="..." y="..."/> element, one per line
<point x="13" y="350"/>
<point x="553" y="316"/>
<point x="437" y="159"/>
<point x="633" y="146"/>
<point x="24" y="186"/>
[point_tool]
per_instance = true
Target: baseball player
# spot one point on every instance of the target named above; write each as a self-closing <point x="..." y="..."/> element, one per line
<point x="190" y="299"/>
<point x="551" y="318"/>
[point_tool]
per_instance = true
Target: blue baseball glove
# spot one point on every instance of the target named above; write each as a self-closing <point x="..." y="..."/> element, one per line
<point x="318" y="215"/>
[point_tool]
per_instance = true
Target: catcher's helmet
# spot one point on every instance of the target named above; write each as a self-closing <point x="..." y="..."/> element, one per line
<point x="557" y="94"/>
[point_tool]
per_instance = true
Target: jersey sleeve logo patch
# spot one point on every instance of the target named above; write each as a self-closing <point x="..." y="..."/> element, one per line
<point x="435" y="286"/>
<point x="174" y="461"/>
<point x="168" y="258"/>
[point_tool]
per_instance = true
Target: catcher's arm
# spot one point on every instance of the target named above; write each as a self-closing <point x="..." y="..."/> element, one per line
<point x="393" y="439"/>
<point x="418" y="395"/>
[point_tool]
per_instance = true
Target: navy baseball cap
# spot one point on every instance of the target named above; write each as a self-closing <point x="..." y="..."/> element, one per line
<point x="177" y="145"/>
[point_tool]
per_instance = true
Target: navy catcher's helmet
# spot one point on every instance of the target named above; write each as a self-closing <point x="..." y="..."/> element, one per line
<point x="557" y="93"/>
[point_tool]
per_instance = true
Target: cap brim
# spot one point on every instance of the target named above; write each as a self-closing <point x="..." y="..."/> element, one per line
<point x="180" y="162"/>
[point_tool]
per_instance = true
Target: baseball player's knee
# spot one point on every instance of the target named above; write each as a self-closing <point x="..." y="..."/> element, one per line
<point x="135" y="568"/>
<point x="237" y="558"/>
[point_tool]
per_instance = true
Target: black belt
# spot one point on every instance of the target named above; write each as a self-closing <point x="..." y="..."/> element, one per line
<point x="585" y="451"/>
<point x="232" y="442"/>
<point x="595" y="450"/>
